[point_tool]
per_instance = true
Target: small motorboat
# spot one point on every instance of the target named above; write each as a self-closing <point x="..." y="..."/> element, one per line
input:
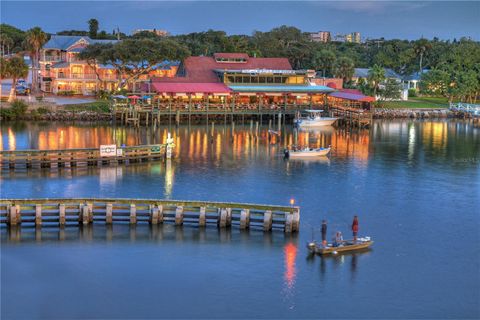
<point x="345" y="246"/>
<point x="313" y="119"/>
<point x="306" y="152"/>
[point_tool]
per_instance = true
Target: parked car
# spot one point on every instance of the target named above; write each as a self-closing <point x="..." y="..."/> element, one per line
<point x="22" y="90"/>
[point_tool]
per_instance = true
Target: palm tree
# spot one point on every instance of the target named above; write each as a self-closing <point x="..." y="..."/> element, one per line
<point x="35" y="38"/>
<point x="420" y="47"/>
<point x="375" y="76"/>
<point x="344" y="68"/>
<point x="4" y="72"/>
<point x="324" y="60"/>
<point x="6" y="43"/>
<point x="16" y="69"/>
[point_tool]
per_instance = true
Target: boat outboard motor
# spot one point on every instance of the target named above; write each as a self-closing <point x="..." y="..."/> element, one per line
<point x="286" y="153"/>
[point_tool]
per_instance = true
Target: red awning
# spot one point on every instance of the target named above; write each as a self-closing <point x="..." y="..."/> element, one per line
<point x="208" y="88"/>
<point x="352" y="96"/>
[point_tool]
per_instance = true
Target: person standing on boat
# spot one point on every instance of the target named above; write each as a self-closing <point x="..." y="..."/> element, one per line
<point x="355" y="228"/>
<point x="324" y="233"/>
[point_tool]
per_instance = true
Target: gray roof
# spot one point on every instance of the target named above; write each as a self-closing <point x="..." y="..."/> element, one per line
<point x="65" y="42"/>
<point x="415" y="76"/>
<point x="363" y="73"/>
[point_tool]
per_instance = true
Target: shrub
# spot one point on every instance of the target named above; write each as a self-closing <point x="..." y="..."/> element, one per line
<point x="42" y="110"/>
<point x="412" y="93"/>
<point x="18" y="108"/>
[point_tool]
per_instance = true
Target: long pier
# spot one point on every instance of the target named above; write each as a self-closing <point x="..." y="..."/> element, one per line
<point x="87" y="211"/>
<point x="17" y="159"/>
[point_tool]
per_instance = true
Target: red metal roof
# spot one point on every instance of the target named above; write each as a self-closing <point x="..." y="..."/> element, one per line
<point x="200" y="69"/>
<point x="352" y="96"/>
<point x="161" y="87"/>
<point x="225" y="55"/>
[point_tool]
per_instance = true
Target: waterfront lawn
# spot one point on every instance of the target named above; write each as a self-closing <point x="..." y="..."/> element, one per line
<point x="97" y="106"/>
<point x="415" y="103"/>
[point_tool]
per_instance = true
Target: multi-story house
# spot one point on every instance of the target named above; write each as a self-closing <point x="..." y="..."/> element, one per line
<point x="62" y="71"/>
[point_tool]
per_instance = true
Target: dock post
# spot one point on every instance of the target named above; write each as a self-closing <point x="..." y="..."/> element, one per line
<point x="85" y="214"/>
<point x="222" y="218"/>
<point x="133" y="214"/>
<point x="279" y="126"/>
<point x="14" y="215"/>
<point x="109" y="213"/>
<point x="61" y="214"/>
<point x="267" y="220"/>
<point x="179" y="216"/>
<point x="229" y="217"/>
<point x="202" y="218"/>
<point x="244" y="219"/>
<point x="296" y="220"/>
<point x="160" y="213"/>
<point x="288" y="222"/>
<point x="153" y="214"/>
<point x="38" y="214"/>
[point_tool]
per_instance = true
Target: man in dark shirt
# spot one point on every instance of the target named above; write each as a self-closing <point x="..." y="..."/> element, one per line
<point x="324" y="232"/>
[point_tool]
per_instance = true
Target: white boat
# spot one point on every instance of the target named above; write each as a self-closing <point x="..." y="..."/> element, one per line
<point x="314" y="119"/>
<point x="307" y="152"/>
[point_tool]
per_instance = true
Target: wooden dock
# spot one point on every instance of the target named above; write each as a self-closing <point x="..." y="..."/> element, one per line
<point x="67" y="158"/>
<point x="86" y="211"/>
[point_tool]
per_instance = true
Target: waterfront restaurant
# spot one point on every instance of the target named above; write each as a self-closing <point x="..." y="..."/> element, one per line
<point x="235" y="81"/>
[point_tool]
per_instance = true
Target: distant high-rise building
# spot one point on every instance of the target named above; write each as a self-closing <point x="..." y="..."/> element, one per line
<point x="321" y="36"/>
<point x="158" y="32"/>
<point x="356" y="37"/>
<point x="349" y="37"/>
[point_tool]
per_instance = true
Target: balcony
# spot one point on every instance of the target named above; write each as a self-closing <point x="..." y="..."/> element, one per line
<point x="52" y="58"/>
<point x="80" y="76"/>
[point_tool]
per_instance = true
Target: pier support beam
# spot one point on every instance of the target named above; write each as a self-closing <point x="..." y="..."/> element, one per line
<point x="202" y="218"/>
<point x="14" y="216"/>
<point x="61" y="214"/>
<point x="133" y="214"/>
<point x="267" y="220"/>
<point x="244" y="219"/>
<point x="222" y="218"/>
<point x="179" y="216"/>
<point x="153" y="215"/>
<point x="38" y="214"/>
<point x="109" y="213"/>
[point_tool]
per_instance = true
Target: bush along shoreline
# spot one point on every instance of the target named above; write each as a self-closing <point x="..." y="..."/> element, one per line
<point x="19" y="110"/>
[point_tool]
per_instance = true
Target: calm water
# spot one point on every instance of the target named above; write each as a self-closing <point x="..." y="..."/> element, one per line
<point x="414" y="185"/>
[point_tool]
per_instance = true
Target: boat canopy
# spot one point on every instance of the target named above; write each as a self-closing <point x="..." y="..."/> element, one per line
<point x="313" y="111"/>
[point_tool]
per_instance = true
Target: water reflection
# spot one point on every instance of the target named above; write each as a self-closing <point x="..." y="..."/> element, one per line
<point x="156" y="233"/>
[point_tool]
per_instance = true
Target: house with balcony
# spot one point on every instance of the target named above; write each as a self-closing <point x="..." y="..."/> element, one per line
<point x="61" y="70"/>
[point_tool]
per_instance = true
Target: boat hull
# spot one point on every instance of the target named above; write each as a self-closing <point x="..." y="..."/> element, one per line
<point x="313" y="247"/>
<point x="324" y="121"/>
<point x="309" y="154"/>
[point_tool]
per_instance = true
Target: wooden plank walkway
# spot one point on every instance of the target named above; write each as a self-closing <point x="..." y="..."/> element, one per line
<point x="85" y="211"/>
<point x="77" y="157"/>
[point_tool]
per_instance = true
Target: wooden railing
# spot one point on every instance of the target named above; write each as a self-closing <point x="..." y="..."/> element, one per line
<point x="84" y="211"/>
<point x="78" y="157"/>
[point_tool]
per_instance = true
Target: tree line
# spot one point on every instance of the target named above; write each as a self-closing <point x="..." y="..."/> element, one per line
<point x="454" y="64"/>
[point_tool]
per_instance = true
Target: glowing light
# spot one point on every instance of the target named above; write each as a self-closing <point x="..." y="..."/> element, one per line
<point x="292" y="202"/>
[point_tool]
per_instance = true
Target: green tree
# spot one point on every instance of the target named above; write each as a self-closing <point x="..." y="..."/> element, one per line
<point x="4" y="72"/>
<point x="16" y="69"/>
<point x="92" y="28"/>
<point x="344" y="68"/>
<point x="16" y="35"/>
<point x="392" y="90"/>
<point x="324" y="60"/>
<point x="134" y="57"/>
<point x="6" y="43"/>
<point x="35" y="38"/>
<point x="376" y="75"/>
<point x="420" y="47"/>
